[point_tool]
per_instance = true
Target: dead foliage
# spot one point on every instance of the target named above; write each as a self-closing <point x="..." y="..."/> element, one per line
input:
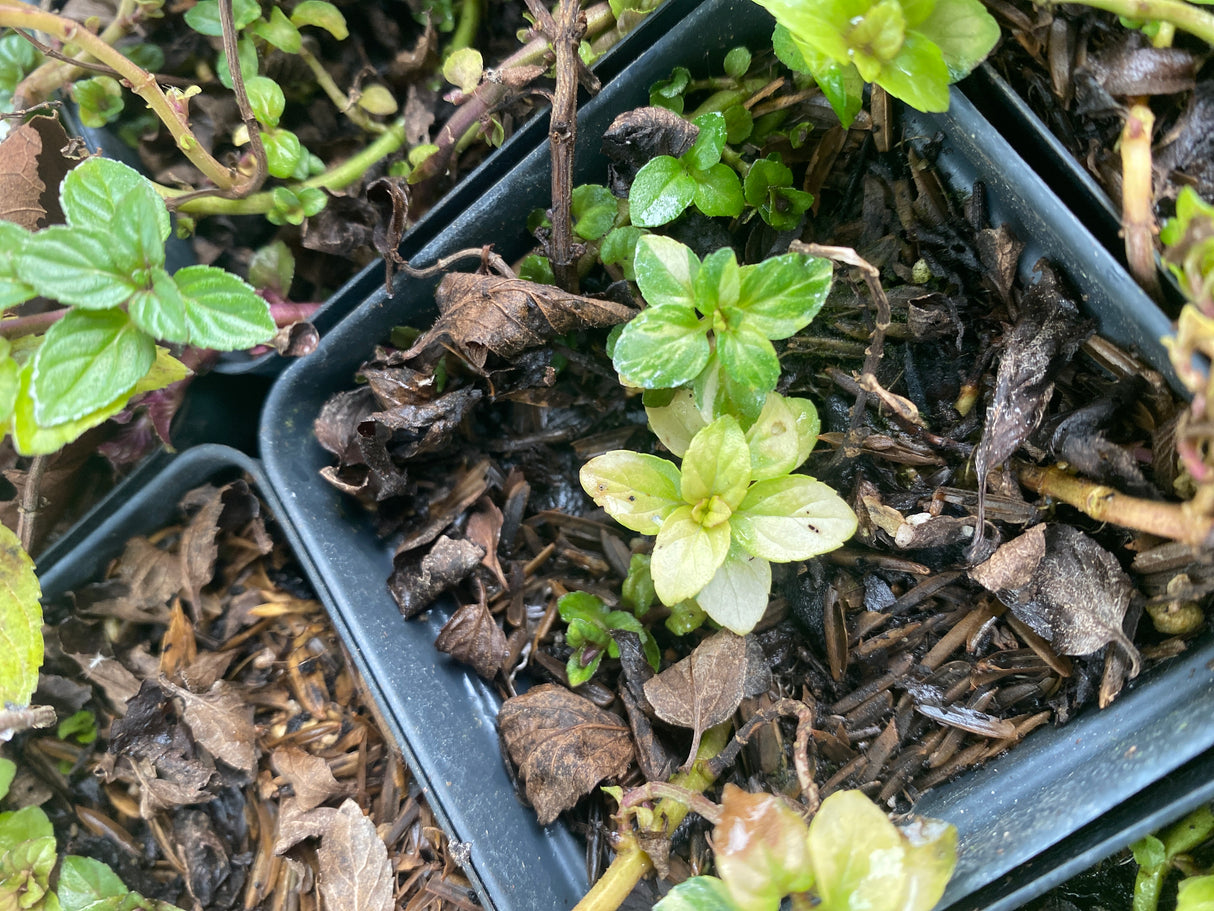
<point x="238" y="761"/>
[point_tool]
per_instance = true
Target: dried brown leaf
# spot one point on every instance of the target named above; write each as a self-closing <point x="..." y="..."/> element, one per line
<point x="177" y="645"/>
<point x="563" y="745"/>
<point x="355" y="874"/>
<point x="31" y="168"/>
<point x="207" y="863"/>
<point x="309" y="776"/>
<point x="473" y="637"/>
<point x="479" y="314"/>
<point x="1012" y="565"/>
<point x="221" y="719"/>
<point x="484" y="528"/>
<point x="1076" y="596"/>
<point x="417" y="579"/>
<point x="703" y="689"/>
<point x="152" y="577"/>
<point x="295" y="824"/>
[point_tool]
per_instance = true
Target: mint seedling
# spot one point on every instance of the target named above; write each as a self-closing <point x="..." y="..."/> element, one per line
<point x="768" y="188"/>
<point x="723" y="517"/>
<point x="914" y="49"/>
<point x="590" y="623"/>
<point x="106" y="265"/>
<point x="710" y="324"/>
<point x="665" y="186"/>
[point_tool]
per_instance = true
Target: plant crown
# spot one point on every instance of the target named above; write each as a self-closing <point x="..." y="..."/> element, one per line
<point x="913" y="49"/>
<point x="589" y="625"/>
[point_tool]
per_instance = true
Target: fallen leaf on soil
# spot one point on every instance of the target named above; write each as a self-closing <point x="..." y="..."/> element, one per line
<point x="1075" y="596"/>
<point x="563" y="745"/>
<point x="207" y="864"/>
<point x="479" y="314"/>
<point x="1046" y="337"/>
<point x="415" y="582"/>
<point x="1012" y="565"/>
<point x="354" y="871"/>
<point x="222" y="721"/>
<point x="152" y="578"/>
<point x="637" y="136"/>
<point x="309" y="776"/>
<point x="295" y="824"/>
<point x="706" y="687"/>
<point x="472" y="636"/>
<point x="484" y="528"/>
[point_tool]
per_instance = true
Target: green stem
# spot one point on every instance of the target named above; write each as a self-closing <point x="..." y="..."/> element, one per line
<point x="631" y="862"/>
<point x="52" y="75"/>
<point x="335" y="178"/>
<point x="465" y="29"/>
<point x="1184" y="16"/>
<point x="726" y="97"/>
<point x="340" y="99"/>
<point x="1147" y="886"/>
<point x="142" y="83"/>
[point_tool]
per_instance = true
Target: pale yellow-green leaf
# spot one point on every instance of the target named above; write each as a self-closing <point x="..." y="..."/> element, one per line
<point x="686" y="556"/>
<point x="376" y="99"/>
<point x="29" y="438"/>
<point x="464" y="69"/>
<point x="20" y="622"/>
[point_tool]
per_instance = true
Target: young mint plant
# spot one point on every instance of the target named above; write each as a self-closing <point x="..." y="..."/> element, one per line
<point x="849" y="856"/>
<point x="665" y="186"/>
<point x="914" y="49"/>
<point x="725" y="515"/>
<point x="29" y="855"/>
<point x="106" y="266"/>
<point x="710" y="325"/>
<point x="768" y="188"/>
<point x="590" y="623"/>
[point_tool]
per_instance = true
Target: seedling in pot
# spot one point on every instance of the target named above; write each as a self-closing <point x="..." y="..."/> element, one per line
<point x="589" y="627"/>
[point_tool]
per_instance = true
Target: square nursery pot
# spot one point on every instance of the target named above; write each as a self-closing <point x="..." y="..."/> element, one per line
<point x="1059" y="782"/>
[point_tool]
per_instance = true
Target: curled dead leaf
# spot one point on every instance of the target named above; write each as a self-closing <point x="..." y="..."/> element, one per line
<point x="563" y="745"/>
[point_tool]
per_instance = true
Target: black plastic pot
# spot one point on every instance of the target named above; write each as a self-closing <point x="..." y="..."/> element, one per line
<point x="1047" y="789"/>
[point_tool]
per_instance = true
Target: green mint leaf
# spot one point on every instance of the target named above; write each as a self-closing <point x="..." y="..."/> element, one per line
<point x="223" y="312"/>
<point x="738" y="593"/>
<point x="246" y="57"/>
<point x="594" y="211"/>
<point x="619" y="248"/>
<point x="31" y="438"/>
<point x="931" y="854"/>
<point x="17" y="57"/>
<point x="323" y="15"/>
<point x="95" y="192"/>
<point x="87" y="359"/>
<point x="581" y="606"/>
<point x="877" y="37"/>
<point x="709" y="143"/>
<point x="700" y="893"/>
<point x="820" y="26"/>
<point x="579" y="673"/>
<point x="737" y="62"/>
<point x="85" y="883"/>
<point x="668" y="93"/>
<point x="283" y="152"/>
<point x="20" y="623"/>
<point x="99" y="100"/>
<point x="10" y="382"/>
<point x="13" y="289"/>
<point x="718" y="191"/>
<point x="1195" y="893"/>
<point x="808" y="426"/>
<point x="748" y="358"/>
<point x="792" y="518"/>
<point x="464" y="68"/>
<point x="676" y="421"/>
<point x="918" y="75"/>
<point x="203" y="17"/>
<point x="280" y="32"/>
<point x="782" y="295"/>
<point x="536" y="268"/>
<point x="160" y="311"/>
<point x="637" y="490"/>
<point x="660" y="348"/>
<point x="272" y="268"/>
<point x="739" y="124"/>
<point x="266" y="98"/>
<point x="773" y="439"/>
<point x="637" y="591"/>
<point x="8" y="771"/>
<point x="137" y="239"/>
<point x="660" y="192"/>
<point x="686" y="555"/>
<point x="666" y="271"/>
<point x="145" y="55"/>
<point x="858" y="855"/>
<point x="840" y="81"/>
<point x="719" y="281"/>
<point x="621" y="619"/>
<point x="765" y="175"/>
<point x="964" y="32"/>
<point x="75" y="266"/>
<point x="27" y="824"/>
<point x="717" y="464"/>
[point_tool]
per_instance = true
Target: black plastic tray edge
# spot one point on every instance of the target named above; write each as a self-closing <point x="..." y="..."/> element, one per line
<point x="1160" y="805"/>
<point x="291" y="461"/>
<point x="493" y="168"/>
<point x="1073" y="183"/>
